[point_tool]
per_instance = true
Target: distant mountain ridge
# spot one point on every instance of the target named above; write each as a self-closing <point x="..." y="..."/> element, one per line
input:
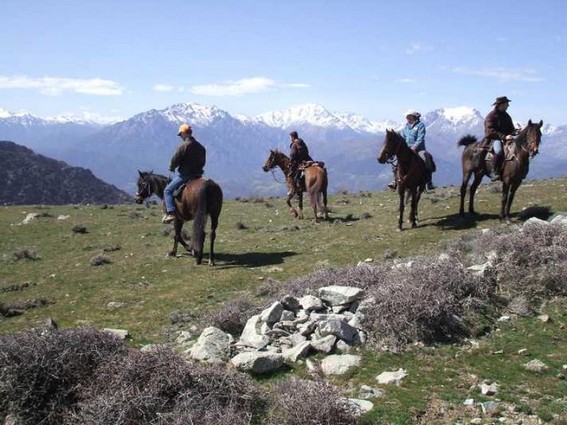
<point x="28" y="178"/>
<point x="237" y="145"/>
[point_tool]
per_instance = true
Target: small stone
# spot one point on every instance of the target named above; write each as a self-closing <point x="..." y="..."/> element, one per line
<point x="536" y="365"/>
<point x="523" y="352"/>
<point x="487" y="389"/>
<point x="544" y="318"/>
<point x="469" y="402"/>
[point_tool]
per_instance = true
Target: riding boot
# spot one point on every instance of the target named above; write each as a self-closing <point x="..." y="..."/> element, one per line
<point x="394" y="183"/>
<point x="429" y="184"/>
<point x="497" y="166"/>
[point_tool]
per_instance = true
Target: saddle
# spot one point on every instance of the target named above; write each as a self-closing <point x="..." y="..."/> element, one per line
<point x="179" y="191"/>
<point x="307" y="164"/>
<point x="486" y="150"/>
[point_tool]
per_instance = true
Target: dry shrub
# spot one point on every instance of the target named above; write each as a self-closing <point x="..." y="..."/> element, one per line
<point x="79" y="228"/>
<point x="40" y="373"/>
<point x="25" y="254"/>
<point x="533" y="262"/>
<point x="300" y="402"/>
<point x="429" y="301"/>
<point x="232" y="316"/>
<point x="160" y="387"/>
<point x="99" y="260"/>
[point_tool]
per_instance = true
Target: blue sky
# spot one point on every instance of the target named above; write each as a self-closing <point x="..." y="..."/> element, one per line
<point x="375" y="58"/>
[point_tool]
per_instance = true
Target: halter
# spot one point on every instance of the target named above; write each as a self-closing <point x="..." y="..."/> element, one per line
<point x="147" y="189"/>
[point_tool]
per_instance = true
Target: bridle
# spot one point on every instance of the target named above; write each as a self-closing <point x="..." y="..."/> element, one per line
<point x="145" y="190"/>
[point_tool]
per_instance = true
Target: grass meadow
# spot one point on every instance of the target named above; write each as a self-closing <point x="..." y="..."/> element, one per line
<point x="78" y="259"/>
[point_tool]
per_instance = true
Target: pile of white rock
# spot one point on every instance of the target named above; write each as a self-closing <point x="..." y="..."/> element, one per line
<point x="291" y="329"/>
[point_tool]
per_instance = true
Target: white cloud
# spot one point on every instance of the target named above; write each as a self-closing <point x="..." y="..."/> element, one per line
<point x="406" y="80"/>
<point x="55" y="86"/>
<point x="163" y="88"/>
<point x="242" y="87"/>
<point x="502" y="74"/>
<point x="414" y="48"/>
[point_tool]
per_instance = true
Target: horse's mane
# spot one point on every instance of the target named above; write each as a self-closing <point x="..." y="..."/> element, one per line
<point x="152" y="174"/>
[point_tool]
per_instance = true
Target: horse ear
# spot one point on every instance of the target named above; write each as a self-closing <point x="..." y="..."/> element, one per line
<point x="140" y="173"/>
<point x="529" y="122"/>
<point x="540" y="123"/>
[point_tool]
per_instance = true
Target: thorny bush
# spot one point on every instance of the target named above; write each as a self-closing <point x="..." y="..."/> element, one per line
<point x="40" y="373"/>
<point x="300" y="402"/>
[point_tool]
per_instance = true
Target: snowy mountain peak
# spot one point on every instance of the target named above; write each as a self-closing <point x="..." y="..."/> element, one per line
<point x="4" y="113"/>
<point x="193" y="113"/>
<point x="458" y="115"/>
<point x="307" y="114"/>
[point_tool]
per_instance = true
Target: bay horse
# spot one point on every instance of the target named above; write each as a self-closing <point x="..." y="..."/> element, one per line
<point x="316" y="183"/>
<point x="411" y="175"/>
<point x="200" y="198"/>
<point x="515" y="168"/>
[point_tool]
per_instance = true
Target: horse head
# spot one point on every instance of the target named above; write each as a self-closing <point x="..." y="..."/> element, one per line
<point x="273" y="160"/>
<point x="389" y="147"/>
<point x="533" y="137"/>
<point x="144" y="186"/>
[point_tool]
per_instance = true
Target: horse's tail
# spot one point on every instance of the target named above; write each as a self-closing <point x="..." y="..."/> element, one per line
<point x="469" y="139"/>
<point x="316" y="190"/>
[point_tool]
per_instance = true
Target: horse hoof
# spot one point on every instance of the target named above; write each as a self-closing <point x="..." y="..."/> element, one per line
<point x="172" y="254"/>
<point x="414" y="226"/>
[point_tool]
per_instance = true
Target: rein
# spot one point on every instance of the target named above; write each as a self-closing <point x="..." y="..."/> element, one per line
<point x="274" y="176"/>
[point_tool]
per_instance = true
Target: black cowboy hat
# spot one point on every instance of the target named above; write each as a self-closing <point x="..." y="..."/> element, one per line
<point x="501" y="99"/>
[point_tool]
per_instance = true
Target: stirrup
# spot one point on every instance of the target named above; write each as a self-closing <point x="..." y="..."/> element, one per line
<point x="168" y="218"/>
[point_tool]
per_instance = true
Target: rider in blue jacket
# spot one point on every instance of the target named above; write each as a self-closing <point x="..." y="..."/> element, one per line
<point x="414" y="134"/>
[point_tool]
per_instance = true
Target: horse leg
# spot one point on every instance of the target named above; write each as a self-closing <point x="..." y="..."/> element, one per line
<point x="300" y="205"/>
<point x="474" y="186"/>
<point x="466" y="178"/>
<point x="401" y="208"/>
<point x="413" y="210"/>
<point x="511" y="195"/>
<point x="214" y="224"/>
<point x="177" y="226"/>
<point x="325" y="210"/>
<point x="504" y="199"/>
<point x="292" y="210"/>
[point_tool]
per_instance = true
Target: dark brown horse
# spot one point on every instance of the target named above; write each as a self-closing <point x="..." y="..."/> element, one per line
<point x="412" y="173"/>
<point x="315" y="184"/>
<point x="200" y="197"/>
<point x="515" y="168"/>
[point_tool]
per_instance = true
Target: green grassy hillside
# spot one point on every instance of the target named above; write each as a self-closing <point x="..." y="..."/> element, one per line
<point x="98" y="255"/>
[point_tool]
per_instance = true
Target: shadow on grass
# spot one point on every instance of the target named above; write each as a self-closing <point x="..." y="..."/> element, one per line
<point x="250" y="259"/>
<point x="458" y="222"/>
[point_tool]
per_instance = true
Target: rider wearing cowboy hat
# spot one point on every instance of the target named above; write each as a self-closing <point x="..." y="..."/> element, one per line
<point x="498" y="127"/>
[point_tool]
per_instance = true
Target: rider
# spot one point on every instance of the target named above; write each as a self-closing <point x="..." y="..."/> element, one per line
<point x="498" y="127"/>
<point x="414" y="134"/>
<point x="298" y="152"/>
<point x="189" y="159"/>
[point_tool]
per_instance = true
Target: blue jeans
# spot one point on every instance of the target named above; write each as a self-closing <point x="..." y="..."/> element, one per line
<point x="168" y="192"/>
<point x="497" y="146"/>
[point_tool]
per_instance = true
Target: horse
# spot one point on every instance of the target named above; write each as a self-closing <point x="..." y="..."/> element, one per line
<point x="316" y="183"/>
<point x="515" y="168"/>
<point x="411" y="175"/>
<point x="200" y="197"/>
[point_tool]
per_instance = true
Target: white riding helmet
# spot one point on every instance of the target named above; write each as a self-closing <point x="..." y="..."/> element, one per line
<point x="413" y="113"/>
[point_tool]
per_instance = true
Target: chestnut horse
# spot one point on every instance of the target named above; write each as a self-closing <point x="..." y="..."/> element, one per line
<point x="516" y="165"/>
<point x="412" y="173"/>
<point x="200" y="197"/>
<point x="315" y="184"/>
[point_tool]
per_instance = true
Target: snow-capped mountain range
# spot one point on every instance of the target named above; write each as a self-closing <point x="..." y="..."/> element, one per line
<point x="237" y="145"/>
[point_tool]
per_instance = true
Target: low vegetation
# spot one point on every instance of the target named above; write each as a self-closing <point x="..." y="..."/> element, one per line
<point x="431" y="314"/>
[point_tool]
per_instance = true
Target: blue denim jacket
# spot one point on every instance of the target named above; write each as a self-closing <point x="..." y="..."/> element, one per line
<point x="415" y="135"/>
